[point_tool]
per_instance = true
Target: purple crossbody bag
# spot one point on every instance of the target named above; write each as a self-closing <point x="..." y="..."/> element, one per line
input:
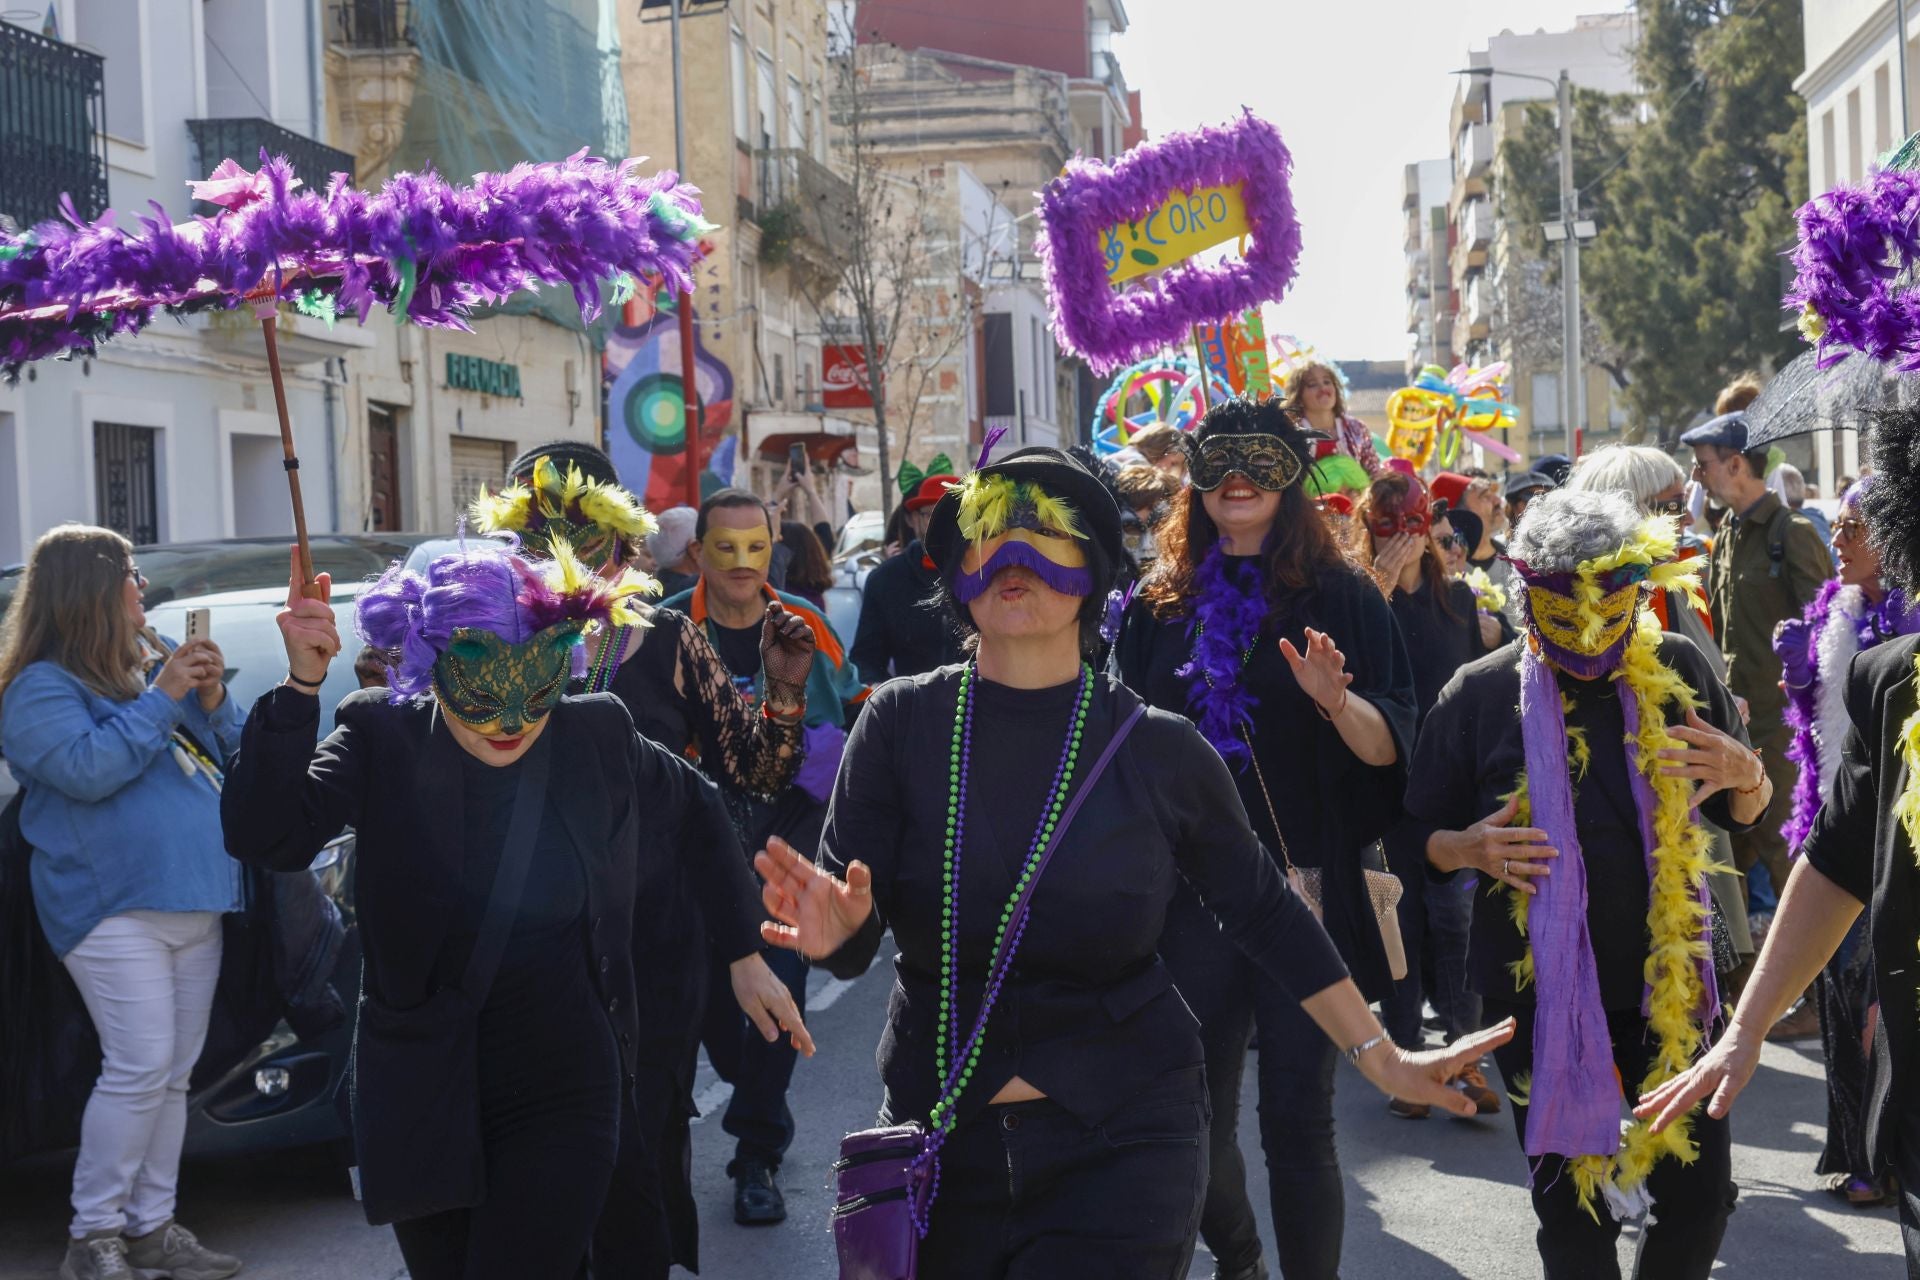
<point x="886" y="1179"/>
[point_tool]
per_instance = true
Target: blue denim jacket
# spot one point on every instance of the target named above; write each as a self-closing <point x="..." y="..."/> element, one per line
<point x="114" y="822"/>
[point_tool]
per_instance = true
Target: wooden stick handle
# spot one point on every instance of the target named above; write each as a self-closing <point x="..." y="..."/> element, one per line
<point x="290" y="460"/>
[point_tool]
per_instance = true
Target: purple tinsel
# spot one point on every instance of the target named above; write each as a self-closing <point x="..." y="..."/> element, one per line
<point x="1108" y="328"/>
<point x="421" y="243"/>
<point x="1855" y="243"/>
<point x="1893" y="616"/>
<point x="968" y="587"/>
<point x="1227" y="615"/>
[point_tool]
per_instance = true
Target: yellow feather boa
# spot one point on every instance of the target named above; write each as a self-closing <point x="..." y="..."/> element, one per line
<point x="1907" y="807"/>
<point x="1675" y="916"/>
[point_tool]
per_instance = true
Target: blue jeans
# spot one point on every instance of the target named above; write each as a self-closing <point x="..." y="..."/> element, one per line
<point x="757" y="1117"/>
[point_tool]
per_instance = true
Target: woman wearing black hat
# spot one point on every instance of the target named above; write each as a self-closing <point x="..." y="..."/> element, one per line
<point x="1072" y="1125"/>
<point x="1255" y="626"/>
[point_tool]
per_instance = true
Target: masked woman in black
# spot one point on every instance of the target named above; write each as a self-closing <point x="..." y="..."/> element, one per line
<point x="1255" y="626"/>
<point x="501" y="833"/>
<point x="1073" y="1128"/>
<point x="674" y="684"/>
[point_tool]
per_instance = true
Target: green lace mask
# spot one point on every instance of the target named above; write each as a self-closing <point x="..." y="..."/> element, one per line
<point x="482" y="680"/>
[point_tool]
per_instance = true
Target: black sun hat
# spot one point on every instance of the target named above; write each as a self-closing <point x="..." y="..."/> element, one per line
<point x="1057" y="473"/>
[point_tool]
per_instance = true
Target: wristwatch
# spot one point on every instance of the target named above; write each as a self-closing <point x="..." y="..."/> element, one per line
<point x="1355" y="1053"/>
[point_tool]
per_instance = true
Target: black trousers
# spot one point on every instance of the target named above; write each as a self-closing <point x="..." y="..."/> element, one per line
<point x="1906" y="1163"/>
<point x="1691" y="1202"/>
<point x="757" y="1116"/>
<point x="1295" y="1064"/>
<point x="1028" y="1192"/>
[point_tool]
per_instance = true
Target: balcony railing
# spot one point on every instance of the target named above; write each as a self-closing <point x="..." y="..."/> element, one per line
<point x="243" y="138"/>
<point x="370" y="24"/>
<point x="818" y="200"/>
<point x="52" y="127"/>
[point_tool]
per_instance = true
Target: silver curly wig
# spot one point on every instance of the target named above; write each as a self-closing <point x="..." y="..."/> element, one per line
<point x="1567" y="526"/>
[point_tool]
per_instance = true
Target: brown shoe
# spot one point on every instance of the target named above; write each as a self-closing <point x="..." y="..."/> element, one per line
<point x="1472" y="1081"/>
<point x="1802" y="1022"/>
<point x="1408" y="1110"/>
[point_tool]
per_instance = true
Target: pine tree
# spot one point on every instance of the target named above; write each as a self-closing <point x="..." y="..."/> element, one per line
<point x="1686" y="273"/>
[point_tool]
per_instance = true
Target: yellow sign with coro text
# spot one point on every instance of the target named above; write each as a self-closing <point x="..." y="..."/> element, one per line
<point x="1187" y="223"/>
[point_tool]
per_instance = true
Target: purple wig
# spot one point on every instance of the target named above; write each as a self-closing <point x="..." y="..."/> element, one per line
<point x="481" y="588"/>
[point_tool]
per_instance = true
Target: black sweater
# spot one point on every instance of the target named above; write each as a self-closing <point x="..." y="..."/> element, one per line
<point x="903" y="629"/>
<point x="1088" y="1014"/>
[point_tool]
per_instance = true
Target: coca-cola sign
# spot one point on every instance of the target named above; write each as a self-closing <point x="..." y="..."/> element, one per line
<point x="843" y="377"/>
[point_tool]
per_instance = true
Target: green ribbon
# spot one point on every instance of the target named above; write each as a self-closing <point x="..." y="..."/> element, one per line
<point x="911" y="477"/>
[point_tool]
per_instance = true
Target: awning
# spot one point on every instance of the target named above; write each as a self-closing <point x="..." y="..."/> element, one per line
<point x="822" y="447"/>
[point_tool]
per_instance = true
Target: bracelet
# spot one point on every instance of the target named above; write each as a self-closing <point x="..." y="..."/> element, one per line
<point x="782" y="718"/>
<point x="1354" y="1054"/>
<point x="311" y="686"/>
<point x="1755" y="788"/>
<point x="1336" y="714"/>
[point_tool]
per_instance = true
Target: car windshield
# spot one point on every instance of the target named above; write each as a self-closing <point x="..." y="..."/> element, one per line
<point x="250" y="640"/>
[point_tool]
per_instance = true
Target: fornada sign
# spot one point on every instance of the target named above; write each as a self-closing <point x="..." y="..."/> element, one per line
<point x="1186" y="223"/>
<point x="488" y="377"/>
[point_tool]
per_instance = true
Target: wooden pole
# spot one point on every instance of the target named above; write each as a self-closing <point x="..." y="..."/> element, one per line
<point x="267" y="311"/>
<point x="690" y="393"/>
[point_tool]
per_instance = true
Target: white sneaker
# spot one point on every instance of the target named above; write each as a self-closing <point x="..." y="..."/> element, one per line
<point x="172" y="1248"/>
<point x="99" y="1256"/>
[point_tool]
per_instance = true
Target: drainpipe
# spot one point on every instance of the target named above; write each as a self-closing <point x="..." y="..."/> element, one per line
<point x="333" y="460"/>
<point x="316" y="71"/>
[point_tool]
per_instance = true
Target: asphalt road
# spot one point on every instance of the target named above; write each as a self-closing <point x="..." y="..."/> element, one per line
<point x="1425" y="1201"/>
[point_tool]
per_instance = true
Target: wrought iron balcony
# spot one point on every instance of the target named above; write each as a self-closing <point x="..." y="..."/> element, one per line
<point x="242" y="138"/>
<point x="370" y="24"/>
<point x="808" y="205"/>
<point x="52" y="127"/>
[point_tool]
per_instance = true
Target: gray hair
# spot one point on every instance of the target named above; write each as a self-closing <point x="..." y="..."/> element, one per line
<point x="1567" y="526"/>
<point x="1789" y="485"/>
<point x="1640" y="471"/>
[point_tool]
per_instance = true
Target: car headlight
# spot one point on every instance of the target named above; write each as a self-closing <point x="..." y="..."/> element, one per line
<point x="332" y="853"/>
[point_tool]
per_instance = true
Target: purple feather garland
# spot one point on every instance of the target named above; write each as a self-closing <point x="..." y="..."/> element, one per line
<point x="438" y="248"/>
<point x="1855" y="244"/>
<point x="1110" y="329"/>
<point x="1228" y="610"/>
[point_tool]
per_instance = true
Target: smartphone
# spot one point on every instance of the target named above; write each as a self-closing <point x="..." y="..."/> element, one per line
<point x="199" y="624"/>
<point x="797" y="461"/>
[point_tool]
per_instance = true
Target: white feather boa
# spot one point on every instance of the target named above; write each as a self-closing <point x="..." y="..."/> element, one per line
<point x="1834" y="648"/>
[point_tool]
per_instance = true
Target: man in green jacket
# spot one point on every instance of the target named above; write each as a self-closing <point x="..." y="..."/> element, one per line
<point x="1768" y="563"/>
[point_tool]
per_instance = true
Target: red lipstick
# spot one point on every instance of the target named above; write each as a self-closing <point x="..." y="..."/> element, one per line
<point x="505" y="744"/>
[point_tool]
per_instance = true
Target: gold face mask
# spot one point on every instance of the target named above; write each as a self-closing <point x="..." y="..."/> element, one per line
<point x="724" y="549"/>
<point x="1562" y="625"/>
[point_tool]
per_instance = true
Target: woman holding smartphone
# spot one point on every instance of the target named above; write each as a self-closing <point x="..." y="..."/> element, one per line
<point x="118" y="751"/>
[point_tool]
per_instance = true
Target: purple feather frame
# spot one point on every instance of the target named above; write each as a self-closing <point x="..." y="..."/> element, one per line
<point x="1110" y="329"/>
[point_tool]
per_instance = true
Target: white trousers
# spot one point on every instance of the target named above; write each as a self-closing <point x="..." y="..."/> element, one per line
<point x="148" y="980"/>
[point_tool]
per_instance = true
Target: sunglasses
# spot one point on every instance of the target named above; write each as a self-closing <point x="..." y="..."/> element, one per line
<point x="1852" y="528"/>
<point x="1675" y="507"/>
<point x="1449" y="541"/>
<point x="133" y="571"/>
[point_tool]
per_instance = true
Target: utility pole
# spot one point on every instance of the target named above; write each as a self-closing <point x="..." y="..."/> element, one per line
<point x="1574" y="397"/>
<point x="689" y="388"/>
<point x="1900" y="52"/>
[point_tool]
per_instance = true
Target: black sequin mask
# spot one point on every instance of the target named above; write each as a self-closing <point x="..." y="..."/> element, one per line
<point x="1260" y="456"/>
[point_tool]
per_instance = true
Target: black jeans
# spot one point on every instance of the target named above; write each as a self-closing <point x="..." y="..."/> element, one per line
<point x="1905" y="1140"/>
<point x="757" y="1117"/>
<point x="1436" y="916"/>
<point x="1296" y="1061"/>
<point x="1691" y="1202"/>
<point x="1028" y="1192"/>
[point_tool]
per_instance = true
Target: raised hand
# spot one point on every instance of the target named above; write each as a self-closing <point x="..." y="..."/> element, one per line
<point x="187" y="668"/>
<point x="786" y="658"/>
<point x="1400" y="550"/>
<point x="1717" y="761"/>
<point x="767" y="1002"/>
<point x="1321" y="671"/>
<point x="307" y="627"/>
<point x="814" y="911"/>
<point x="213" y="689"/>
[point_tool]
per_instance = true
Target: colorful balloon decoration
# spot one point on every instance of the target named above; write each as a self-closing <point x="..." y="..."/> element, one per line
<point x="1430" y="419"/>
<point x="1163" y="390"/>
<point x="1291" y="354"/>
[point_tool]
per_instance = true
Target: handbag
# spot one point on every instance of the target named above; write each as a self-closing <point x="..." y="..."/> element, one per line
<point x="1383" y="887"/>
<point x="886" y="1178"/>
<point x="416" y="1072"/>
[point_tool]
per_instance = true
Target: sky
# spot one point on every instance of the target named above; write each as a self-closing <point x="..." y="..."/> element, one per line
<point x="1358" y="89"/>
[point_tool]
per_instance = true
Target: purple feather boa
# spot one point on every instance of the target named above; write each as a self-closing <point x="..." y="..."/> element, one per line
<point x="421" y="242"/>
<point x="1893" y="616"/>
<point x="1227" y="615"/>
<point x="1855" y="243"/>
<point x="1109" y="329"/>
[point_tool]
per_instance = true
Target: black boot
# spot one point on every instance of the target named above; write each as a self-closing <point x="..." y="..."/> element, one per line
<point x="1255" y="1270"/>
<point x="757" y="1202"/>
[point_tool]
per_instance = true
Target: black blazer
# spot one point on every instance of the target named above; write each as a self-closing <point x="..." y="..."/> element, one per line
<point x="392" y="772"/>
<point x="1860" y="845"/>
